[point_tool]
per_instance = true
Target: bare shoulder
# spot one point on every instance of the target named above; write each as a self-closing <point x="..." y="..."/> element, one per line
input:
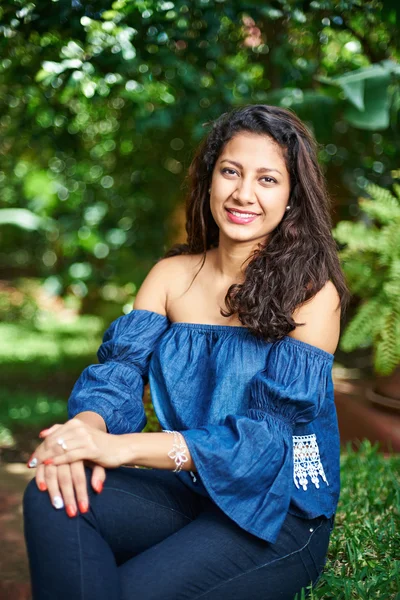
<point x="165" y="278"/>
<point x="321" y="315"/>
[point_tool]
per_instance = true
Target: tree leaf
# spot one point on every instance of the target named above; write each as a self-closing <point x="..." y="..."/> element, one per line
<point x="21" y="217"/>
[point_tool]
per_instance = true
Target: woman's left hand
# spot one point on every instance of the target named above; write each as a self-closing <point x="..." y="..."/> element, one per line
<point x="76" y="440"/>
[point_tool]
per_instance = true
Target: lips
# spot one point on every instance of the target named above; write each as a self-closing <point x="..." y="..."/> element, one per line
<point x="244" y="212"/>
<point x="240" y="220"/>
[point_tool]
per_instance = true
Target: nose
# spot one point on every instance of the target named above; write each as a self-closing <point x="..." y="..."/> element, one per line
<point x="244" y="192"/>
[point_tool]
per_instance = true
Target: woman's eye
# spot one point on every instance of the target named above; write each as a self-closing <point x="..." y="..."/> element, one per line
<point x="233" y="172"/>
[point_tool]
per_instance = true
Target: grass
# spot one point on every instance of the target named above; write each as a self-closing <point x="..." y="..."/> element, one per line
<point x="40" y="362"/>
<point x="48" y="345"/>
<point x="364" y="551"/>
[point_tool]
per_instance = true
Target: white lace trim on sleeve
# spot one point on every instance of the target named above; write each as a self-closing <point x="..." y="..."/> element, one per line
<point x="307" y="461"/>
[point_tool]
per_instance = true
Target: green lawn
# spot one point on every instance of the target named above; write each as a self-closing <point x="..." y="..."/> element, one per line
<point x="39" y="363"/>
<point x="364" y="552"/>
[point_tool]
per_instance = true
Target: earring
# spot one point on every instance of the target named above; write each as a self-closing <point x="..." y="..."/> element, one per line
<point x="288" y="207"/>
<point x="209" y="190"/>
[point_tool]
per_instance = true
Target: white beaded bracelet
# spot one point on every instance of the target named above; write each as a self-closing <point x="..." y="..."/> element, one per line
<point x="179" y="449"/>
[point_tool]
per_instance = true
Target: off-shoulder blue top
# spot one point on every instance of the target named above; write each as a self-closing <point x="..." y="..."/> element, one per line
<point x="259" y="418"/>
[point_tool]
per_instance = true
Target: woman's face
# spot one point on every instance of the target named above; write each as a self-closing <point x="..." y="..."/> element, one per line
<point x="250" y="176"/>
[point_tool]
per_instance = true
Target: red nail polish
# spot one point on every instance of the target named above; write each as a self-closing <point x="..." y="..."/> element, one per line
<point x="99" y="487"/>
<point x="42" y="486"/>
<point x="48" y="461"/>
<point x="83" y="507"/>
<point x="71" y="510"/>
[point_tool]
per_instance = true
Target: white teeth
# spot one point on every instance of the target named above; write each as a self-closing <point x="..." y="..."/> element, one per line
<point x="242" y="215"/>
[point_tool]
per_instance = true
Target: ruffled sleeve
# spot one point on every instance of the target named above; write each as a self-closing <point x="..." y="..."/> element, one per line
<point x="246" y="463"/>
<point x="114" y="387"/>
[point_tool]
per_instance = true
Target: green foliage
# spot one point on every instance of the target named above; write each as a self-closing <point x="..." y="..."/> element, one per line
<point x="369" y="93"/>
<point x="102" y="105"/>
<point x="30" y="409"/>
<point x="371" y="262"/>
<point x="363" y="558"/>
<point x="17" y="302"/>
<point x="41" y="358"/>
<point x="47" y="350"/>
<point x="21" y="218"/>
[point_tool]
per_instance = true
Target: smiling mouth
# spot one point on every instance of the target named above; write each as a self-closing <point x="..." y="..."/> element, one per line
<point x="243" y="214"/>
<point x="238" y="217"/>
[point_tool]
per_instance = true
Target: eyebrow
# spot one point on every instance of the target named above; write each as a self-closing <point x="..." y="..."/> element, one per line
<point x="260" y="170"/>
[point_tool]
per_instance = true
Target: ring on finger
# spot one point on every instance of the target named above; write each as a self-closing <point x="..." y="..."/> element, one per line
<point x="61" y="443"/>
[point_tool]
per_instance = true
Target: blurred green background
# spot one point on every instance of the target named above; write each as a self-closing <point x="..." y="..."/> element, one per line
<point x="101" y="107"/>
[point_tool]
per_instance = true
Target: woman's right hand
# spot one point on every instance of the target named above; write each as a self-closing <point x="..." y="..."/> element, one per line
<point x="66" y="484"/>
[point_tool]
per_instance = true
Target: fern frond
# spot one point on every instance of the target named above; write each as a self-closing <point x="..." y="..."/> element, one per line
<point x="384" y="210"/>
<point x="394" y="270"/>
<point x="396" y="188"/>
<point x="387" y="356"/>
<point x="379" y="193"/>
<point x="360" y="329"/>
<point x="371" y="263"/>
<point x="363" y="273"/>
<point x="357" y="236"/>
<point x="390" y="243"/>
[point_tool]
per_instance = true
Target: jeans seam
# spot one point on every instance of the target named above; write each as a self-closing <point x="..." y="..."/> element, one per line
<point x="151" y="501"/>
<point x="80" y="555"/>
<point x="261" y="566"/>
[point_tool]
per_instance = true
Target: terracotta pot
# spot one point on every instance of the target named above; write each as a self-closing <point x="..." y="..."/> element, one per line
<point x="386" y="391"/>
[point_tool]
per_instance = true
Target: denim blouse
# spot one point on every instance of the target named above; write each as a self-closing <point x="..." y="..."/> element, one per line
<point x="258" y="418"/>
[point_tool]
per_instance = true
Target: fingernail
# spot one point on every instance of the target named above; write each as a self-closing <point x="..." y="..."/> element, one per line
<point x="43" y="432"/>
<point x="48" y="461"/>
<point x="83" y="506"/>
<point x="98" y="486"/>
<point x="58" y="502"/>
<point x="42" y="486"/>
<point x="32" y="462"/>
<point x="71" y="510"/>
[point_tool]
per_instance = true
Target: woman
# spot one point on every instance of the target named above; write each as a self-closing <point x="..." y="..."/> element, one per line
<point x="242" y="487"/>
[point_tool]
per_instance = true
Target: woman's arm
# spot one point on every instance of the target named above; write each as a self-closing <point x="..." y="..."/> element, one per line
<point x="321" y="329"/>
<point x="151" y="450"/>
<point x="86" y="442"/>
<point x="321" y="316"/>
<point x="92" y="419"/>
<point x="144" y="449"/>
<point x="114" y="387"/>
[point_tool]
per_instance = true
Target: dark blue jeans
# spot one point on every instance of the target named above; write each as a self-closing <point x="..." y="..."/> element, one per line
<point x="148" y="537"/>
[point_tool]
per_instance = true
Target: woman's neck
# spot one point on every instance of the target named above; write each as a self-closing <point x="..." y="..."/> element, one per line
<point x="229" y="262"/>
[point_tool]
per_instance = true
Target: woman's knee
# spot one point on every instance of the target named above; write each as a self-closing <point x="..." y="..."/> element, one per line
<point x="32" y="496"/>
<point x="38" y="507"/>
<point x="35" y="503"/>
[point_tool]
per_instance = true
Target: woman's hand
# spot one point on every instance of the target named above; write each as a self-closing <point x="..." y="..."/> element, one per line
<point x="67" y="486"/>
<point x="76" y="441"/>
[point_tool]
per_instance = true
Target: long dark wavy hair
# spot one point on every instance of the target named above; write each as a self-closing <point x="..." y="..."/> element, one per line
<point x="300" y="255"/>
